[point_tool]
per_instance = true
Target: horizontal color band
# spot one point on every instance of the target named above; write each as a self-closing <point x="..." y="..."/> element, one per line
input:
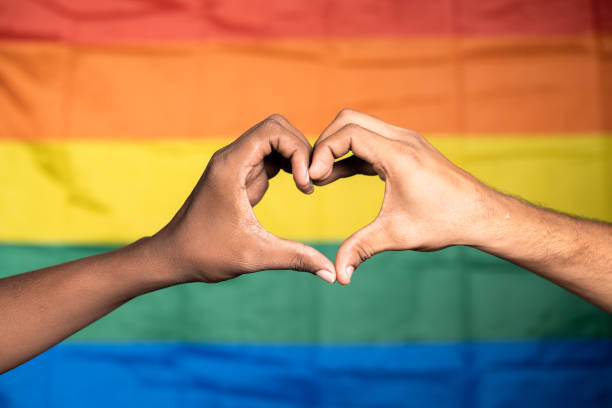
<point x="94" y="21"/>
<point x="498" y="85"/>
<point x="120" y="191"/>
<point x="455" y="294"/>
<point x="514" y="374"/>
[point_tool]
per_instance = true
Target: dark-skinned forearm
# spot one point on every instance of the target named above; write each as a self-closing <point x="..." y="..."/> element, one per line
<point x="43" y="307"/>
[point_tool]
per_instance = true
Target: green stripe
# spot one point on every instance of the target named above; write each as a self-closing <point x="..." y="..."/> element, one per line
<point x="455" y="294"/>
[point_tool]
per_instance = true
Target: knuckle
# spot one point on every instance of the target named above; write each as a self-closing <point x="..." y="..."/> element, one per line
<point x="404" y="154"/>
<point x="346" y="114"/>
<point x="269" y="130"/>
<point x="277" y="117"/>
<point x="318" y="143"/>
<point x="219" y="157"/>
<point x="351" y="127"/>
<point x="272" y="125"/>
<point x="408" y="133"/>
<point x="297" y="264"/>
<point x="405" y="149"/>
<point x="413" y="135"/>
<point x="423" y="141"/>
<point x="364" y="251"/>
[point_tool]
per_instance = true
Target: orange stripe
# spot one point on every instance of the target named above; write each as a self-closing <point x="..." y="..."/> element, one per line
<point x="55" y="91"/>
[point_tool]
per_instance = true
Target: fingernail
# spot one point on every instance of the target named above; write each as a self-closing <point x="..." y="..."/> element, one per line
<point x="310" y="185"/>
<point x="326" y="276"/>
<point x="349" y="271"/>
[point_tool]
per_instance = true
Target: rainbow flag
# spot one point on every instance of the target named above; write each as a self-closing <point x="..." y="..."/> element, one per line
<point x="109" y="112"/>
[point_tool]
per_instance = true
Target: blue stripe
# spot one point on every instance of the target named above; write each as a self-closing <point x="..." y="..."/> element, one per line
<point x="472" y="374"/>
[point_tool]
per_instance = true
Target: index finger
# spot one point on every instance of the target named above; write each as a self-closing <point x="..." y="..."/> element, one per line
<point x="272" y="136"/>
<point x="348" y="116"/>
<point x="364" y="143"/>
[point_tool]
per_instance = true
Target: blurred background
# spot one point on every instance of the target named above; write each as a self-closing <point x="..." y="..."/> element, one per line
<point x="109" y="112"/>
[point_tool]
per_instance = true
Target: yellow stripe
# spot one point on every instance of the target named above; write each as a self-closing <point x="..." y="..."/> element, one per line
<point x="107" y="191"/>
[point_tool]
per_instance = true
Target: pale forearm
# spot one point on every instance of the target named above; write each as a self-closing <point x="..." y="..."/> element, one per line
<point x="430" y="204"/>
<point x="571" y="252"/>
<point x="43" y="307"/>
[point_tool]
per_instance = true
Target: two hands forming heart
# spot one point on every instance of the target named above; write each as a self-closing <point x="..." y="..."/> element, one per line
<point x="429" y="203"/>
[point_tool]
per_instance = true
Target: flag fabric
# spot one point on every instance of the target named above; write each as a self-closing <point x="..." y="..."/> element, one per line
<point x="109" y="112"/>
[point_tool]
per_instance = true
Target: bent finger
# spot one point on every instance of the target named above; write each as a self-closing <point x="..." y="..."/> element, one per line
<point x="272" y="136"/>
<point x="372" y="123"/>
<point x="287" y="124"/>
<point x="346" y="168"/>
<point x="365" y="144"/>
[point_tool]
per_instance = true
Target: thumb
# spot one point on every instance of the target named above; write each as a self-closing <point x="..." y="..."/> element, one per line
<point x="360" y="246"/>
<point x="285" y="254"/>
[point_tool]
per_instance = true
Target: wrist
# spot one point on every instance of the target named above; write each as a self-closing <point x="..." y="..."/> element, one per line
<point x="151" y="266"/>
<point x="510" y="226"/>
<point x="495" y="213"/>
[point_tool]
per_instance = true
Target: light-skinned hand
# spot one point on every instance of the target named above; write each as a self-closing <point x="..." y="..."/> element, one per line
<point x="419" y="185"/>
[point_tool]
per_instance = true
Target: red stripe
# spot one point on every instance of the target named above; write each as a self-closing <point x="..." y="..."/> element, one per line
<point x="155" y="20"/>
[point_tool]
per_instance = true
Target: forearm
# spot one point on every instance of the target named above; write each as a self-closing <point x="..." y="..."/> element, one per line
<point x="214" y="237"/>
<point x="571" y="252"/>
<point x="43" y="307"/>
